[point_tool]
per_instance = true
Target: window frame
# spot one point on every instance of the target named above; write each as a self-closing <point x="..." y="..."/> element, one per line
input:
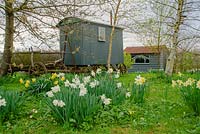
<point x="145" y="57"/>
<point x="101" y="34"/>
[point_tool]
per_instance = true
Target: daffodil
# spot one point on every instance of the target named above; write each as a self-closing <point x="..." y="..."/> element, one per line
<point x="63" y="78"/>
<point x="27" y="85"/>
<point x="34" y="80"/>
<point x="140" y="80"/>
<point x="21" y="81"/>
<point x="53" y="76"/>
<point x="198" y="84"/>
<point x="128" y="94"/>
<point x="58" y="103"/>
<point x="180" y="74"/>
<point x="131" y="112"/>
<point x="2" y="102"/>
<point x="55" y="89"/>
<point x="179" y="82"/>
<point x="174" y="83"/>
<point x="55" y="82"/>
<point x="49" y="94"/>
<point x="28" y="81"/>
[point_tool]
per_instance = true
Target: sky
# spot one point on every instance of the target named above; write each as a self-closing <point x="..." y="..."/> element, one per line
<point x="129" y="39"/>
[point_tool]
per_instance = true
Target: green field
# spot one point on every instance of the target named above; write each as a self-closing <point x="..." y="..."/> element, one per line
<point x="163" y="112"/>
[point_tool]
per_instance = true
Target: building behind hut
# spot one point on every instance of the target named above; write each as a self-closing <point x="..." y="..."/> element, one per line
<point x="147" y="58"/>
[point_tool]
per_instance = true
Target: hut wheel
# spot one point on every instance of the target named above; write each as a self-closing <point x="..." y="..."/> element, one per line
<point x="37" y="69"/>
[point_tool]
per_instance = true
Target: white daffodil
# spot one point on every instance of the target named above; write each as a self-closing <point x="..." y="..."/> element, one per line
<point x="110" y="70"/>
<point x="2" y="102"/>
<point x="119" y="85"/>
<point x="58" y="103"/>
<point x="61" y="103"/>
<point x="174" y="83"/>
<point x="128" y="94"/>
<point x="107" y="101"/>
<point x="49" y="94"/>
<point x="67" y="83"/>
<point x="116" y="76"/>
<point x="102" y="97"/>
<point x="93" y="73"/>
<point x="99" y="71"/>
<point x="83" y="92"/>
<point x="55" y="102"/>
<point x="60" y="75"/>
<point x="76" y="80"/>
<point x="55" y="89"/>
<point x="86" y="79"/>
<point x="72" y="85"/>
<point x="81" y="86"/>
<point x="92" y="84"/>
<point x="198" y="84"/>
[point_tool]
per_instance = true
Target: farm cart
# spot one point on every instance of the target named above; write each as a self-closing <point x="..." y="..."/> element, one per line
<point x="37" y="63"/>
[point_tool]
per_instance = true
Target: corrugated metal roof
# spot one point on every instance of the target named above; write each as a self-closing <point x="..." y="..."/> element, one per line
<point x="142" y="49"/>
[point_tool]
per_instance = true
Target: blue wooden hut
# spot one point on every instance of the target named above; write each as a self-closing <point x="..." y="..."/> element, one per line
<point x="86" y="42"/>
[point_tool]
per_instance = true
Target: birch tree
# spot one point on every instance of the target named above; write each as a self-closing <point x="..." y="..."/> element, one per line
<point x="169" y="22"/>
<point x="112" y="32"/>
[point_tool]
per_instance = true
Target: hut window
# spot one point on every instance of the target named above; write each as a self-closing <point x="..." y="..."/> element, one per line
<point x="141" y="59"/>
<point x="101" y="34"/>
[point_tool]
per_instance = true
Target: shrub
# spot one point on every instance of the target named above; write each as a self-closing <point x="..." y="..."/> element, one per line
<point x="128" y="61"/>
<point x="190" y="92"/>
<point x="10" y="101"/>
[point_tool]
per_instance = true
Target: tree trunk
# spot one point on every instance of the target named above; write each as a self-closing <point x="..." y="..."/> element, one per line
<point x="112" y="34"/>
<point x="170" y="62"/>
<point x="9" y="37"/>
<point x="172" y="56"/>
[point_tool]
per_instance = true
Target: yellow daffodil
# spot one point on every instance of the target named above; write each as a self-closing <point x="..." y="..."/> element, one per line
<point x="34" y="80"/>
<point x="131" y="112"/>
<point x="53" y="76"/>
<point x="55" y="82"/>
<point x="180" y="74"/>
<point x="28" y="81"/>
<point x="21" y="81"/>
<point x="63" y="78"/>
<point x="27" y="85"/>
<point x="140" y="80"/>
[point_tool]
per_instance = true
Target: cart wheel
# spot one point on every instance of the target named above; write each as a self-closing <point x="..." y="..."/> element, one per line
<point x="37" y="69"/>
<point x="122" y="68"/>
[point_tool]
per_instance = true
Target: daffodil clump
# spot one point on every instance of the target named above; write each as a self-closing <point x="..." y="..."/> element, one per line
<point x="27" y="82"/>
<point x="43" y="83"/>
<point x="190" y="91"/>
<point x="138" y="90"/>
<point x="83" y="95"/>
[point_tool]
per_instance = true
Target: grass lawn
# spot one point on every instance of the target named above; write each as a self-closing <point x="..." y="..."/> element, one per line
<point x="163" y="111"/>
